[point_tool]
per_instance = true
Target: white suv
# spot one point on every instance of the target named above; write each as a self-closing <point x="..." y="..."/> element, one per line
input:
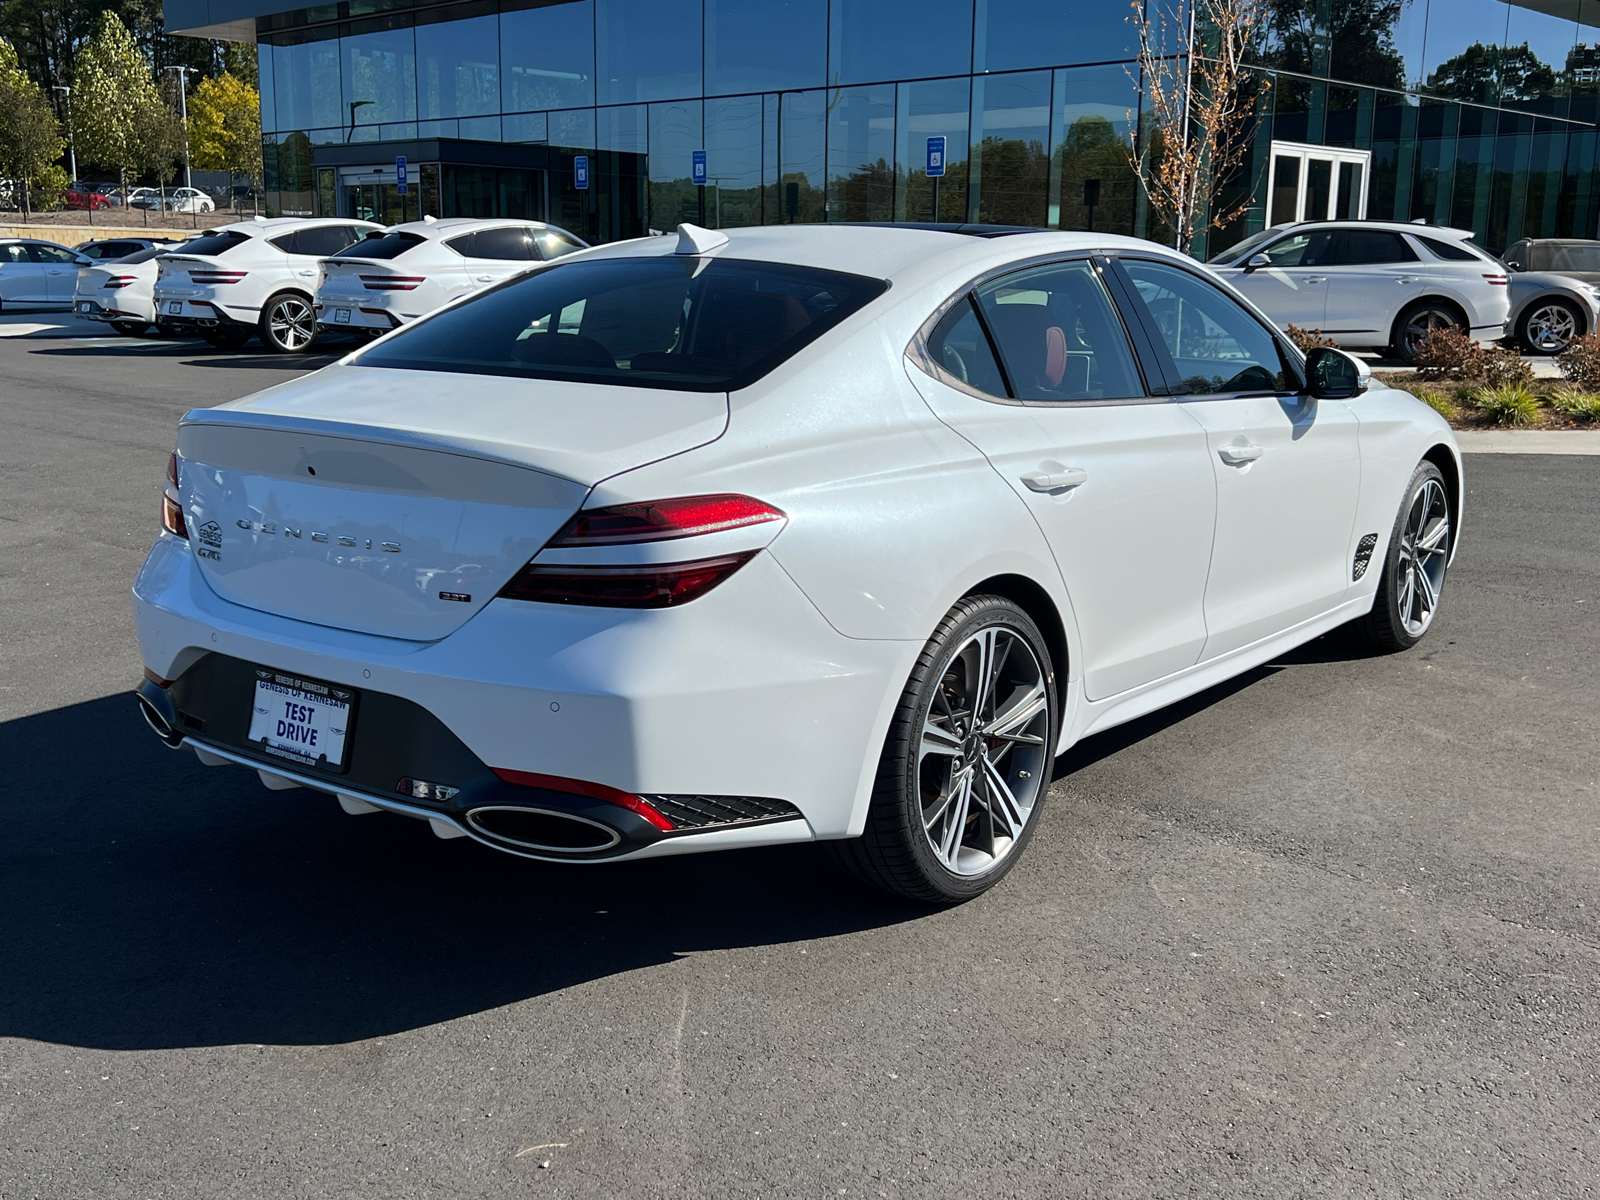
<point x="390" y="279"/>
<point x="252" y="277"/>
<point x="1371" y="285"/>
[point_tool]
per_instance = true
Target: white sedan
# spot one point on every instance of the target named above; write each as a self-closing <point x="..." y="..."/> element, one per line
<point x="777" y="535"/>
<point x="392" y="277"/>
<point x="121" y="292"/>
<point x="190" y="200"/>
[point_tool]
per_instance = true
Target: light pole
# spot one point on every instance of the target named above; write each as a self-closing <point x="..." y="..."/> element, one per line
<point x="183" y="113"/>
<point x="355" y="104"/>
<point x="72" y="145"/>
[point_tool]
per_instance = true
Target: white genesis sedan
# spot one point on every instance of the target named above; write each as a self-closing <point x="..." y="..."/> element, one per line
<point x="393" y="276"/>
<point x="777" y="535"/>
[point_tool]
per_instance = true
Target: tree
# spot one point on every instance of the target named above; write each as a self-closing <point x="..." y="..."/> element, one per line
<point x="162" y="137"/>
<point x="113" y="96"/>
<point x="30" y="138"/>
<point x="1198" y="102"/>
<point x="1488" y="73"/>
<point x="225" y="127"/>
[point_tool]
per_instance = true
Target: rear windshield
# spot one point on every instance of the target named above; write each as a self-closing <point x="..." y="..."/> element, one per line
<point x="145" y="255"/>
<point x="382" y="245"/>
<point x="1553" y="256"/>
<point x="212" y="243"/>
<point x="688" y="324"/>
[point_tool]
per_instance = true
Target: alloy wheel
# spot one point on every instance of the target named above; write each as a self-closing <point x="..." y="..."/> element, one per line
<point x="1551" y="327"/>
<point x="983" y="761"/>
<point x="1423" y="322"/>
<point x="291" y="324"/>
<point x="1423" y="555"/>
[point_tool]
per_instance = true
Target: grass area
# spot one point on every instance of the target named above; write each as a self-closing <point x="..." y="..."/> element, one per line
<point x="1542" y="404"/>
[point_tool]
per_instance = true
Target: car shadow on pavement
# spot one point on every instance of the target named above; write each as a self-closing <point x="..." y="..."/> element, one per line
<point x="187" y="350"/>
<point x="152" y="902"/>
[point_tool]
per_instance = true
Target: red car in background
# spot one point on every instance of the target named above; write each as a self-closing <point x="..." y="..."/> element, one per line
<point x="85" y="196"/>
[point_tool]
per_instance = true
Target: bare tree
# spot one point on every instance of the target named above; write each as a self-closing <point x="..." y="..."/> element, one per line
<point x="1198" y="98"/>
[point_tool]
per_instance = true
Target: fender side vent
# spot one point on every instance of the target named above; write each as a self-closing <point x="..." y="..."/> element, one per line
<point x="704" y="812"/>
<point x="1363" y="556"/>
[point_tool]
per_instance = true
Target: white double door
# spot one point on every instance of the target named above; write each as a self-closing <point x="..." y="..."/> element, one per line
<point x="1317" y="183"/>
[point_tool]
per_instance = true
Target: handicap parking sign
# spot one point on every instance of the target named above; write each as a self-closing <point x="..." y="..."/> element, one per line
<point x="580" y="172"/>
<point x="935" y="157"/>
<point x="699" y="168"/>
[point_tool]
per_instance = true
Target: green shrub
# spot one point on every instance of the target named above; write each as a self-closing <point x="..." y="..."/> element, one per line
<point x="1580" y="362"/>
<point x="1515" y="407"/>
<point x="1580" y="406"/>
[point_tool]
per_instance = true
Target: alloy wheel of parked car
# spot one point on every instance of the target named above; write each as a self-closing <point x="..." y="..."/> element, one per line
<point x="1549" y="326"/>
<point x="1416" y="323"/>
<point x="288" y="323"/>
<point x="967" y="759"/>
<point x="1414" y="568"/>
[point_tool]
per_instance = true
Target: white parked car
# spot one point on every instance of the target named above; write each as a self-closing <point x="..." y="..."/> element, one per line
<point x="144" y="197"/>
<point x="777" y="535"/>
<point x="251" y="277"/>
<point x="120" y="292"/>
<point x="190" y="200"/>
<point x="391" y="278"/>
<point x="38" y="274"/>
<point x="1371" y="285"/>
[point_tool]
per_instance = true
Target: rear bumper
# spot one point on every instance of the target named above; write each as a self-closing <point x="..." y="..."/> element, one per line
<point x="369" y="318"/>
<point x="746" y="692"/>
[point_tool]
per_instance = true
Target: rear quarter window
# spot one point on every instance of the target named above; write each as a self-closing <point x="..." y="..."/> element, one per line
<point x="683" y="324"/>
<point x="213" y="244"/>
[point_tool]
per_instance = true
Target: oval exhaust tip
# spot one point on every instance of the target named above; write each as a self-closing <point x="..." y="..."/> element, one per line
<point x="542" y="830"/>
<point x="156" y="718"/>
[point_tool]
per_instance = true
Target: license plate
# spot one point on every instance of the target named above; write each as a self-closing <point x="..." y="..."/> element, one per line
<point x="341" y="316"/>
<point x="301" y="720"/>
<point x="175" y="308"/>
<point x="85" y="307"/>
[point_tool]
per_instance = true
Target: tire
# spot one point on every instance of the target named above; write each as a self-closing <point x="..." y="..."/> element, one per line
<point x="130" y="328"/>
<point x="228" y="337"/>
<point x="1548" y="326"/>
<point x="1416" y="321"/>
<point x="938" y="828"/>
<point x="288" y="324"/>
<point x="1412" y="583"/>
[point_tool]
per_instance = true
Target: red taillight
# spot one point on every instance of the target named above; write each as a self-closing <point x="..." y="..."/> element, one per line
<point x="595" y="791"/>
<point x="1498" y="280"/>
<point x="171" y="505"/>
<point x="203" y="276"/>
<point x="393" y="283"/>
<point x="660" y="520"/>
<point x="651" y="585"/>
<point x="119" y="281"/>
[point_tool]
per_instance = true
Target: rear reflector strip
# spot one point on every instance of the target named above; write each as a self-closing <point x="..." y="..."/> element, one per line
<point x="393" y="283"/>
<point x="595" y="791"/>
<point x="216" y="276"/>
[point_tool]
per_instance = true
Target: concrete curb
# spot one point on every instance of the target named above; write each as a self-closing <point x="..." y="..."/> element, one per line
<point x="1530" y="441"/>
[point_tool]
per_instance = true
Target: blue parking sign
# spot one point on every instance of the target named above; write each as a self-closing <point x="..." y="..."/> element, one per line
<point x="400" y="176"/>
<point x="699" y="168"/>
<point x="935" y="157"/>
<point x="580" y="172"/>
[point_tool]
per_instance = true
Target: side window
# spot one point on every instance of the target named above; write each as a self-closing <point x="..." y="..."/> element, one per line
<point x="463" y="245"/>
<point x="960" y="346"/>
<point x="14" y="252"/>
<point x="1058" y="335"/>
<point x="509" y="243"/>
<point x="1366" y="247"/>
<point x="1302" y="249"/>
<point x="53" y="254"/>
<point x="1449" y="251"/>
<point x="553" y="245"/>
<point x="1217" y="345"/>
<point x="286" y="243"/>
<point x="322" y="242"/>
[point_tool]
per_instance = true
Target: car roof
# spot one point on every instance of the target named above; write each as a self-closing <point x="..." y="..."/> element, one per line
<point x="267" y="226"/>
<point x="446" y="226"/>
<point x="1363" y="223"/>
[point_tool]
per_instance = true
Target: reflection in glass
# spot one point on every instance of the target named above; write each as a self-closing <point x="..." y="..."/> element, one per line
<point x="861" y="154"/>
<point x="458" y="64"/>
<point x="1319" y="188"/>
<point x="1347" y="201"/>
<point x="647" y="49"/>
<point x="1016" y="34"/>
<point x="479" y="129"/>
<point x="269" y="107"/>
<point x="574" y="128"/>
<point x="765" y="45"/>
<point x="524" y="127"/>
<point x="306" y="78"/>
<point x="1378" y="42"/>
<point x="379" y="60"/>
<point x="868" y="42"/>
<point x="547" y="56"/>
<point x="1285" y="190"/>
<point x="1538" y="37"/>
<point x="733" y="161"/>
<point x="1093" y="184"/>
<point x="801" y="142"/>
<point x="1010" y="162"/>
<point x="675" y="134"/>
<point x="1463" y="60"/>
<point x="932" y="108"/>
<point x="625" y="129"/>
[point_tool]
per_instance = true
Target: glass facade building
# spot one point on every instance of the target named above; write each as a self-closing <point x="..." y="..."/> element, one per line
<point x="1476" y="113"/>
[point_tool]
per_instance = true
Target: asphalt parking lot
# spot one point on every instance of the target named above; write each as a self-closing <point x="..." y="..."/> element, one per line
<point x="1327" y="930"/>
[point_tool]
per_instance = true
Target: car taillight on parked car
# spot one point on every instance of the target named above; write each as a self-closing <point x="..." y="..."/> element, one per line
<point x="642" y="585"/>
<point x="171" y="505"/>
<point x="393" y="283"/>
<point x="204" y="276"/>
<point x="1498" y="280"/>
<point x="120" y="281"/>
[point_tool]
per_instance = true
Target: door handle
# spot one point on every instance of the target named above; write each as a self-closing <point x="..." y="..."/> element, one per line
<point x="1236" y="455"/>
<point x="485" y="278"/>
<point x="1406" y="279"/>
<point x="1316" y="279"/>
<point x="1055" y="481"/>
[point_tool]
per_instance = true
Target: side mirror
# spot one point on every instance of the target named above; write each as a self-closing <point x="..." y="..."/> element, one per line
<point x="1335" y="375"/>
<point x="1257" y="261"/>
